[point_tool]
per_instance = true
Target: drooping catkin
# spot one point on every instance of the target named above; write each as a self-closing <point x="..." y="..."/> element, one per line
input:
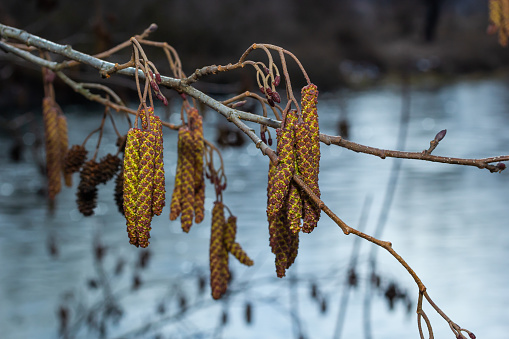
<point x="499" y="17"/>
<point x="218" y="255"/>
<point x="308" y="153"/>
<point x="233" y="247"/>
<point x="53" y="147"/>
<point x="131" y="181"/>
<point x="187" y="188"/>
<point x="145" y="186"/>
<point x="196" y="126"/>
<point x="156" y="126"/>
<point x="64" y="143"/>
<point x="158" y="200"/>
<point x="286" y="164"/>
<point x="294" y="208"/>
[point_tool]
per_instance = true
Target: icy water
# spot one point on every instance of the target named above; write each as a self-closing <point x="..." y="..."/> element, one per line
<point x="449" y="222"/>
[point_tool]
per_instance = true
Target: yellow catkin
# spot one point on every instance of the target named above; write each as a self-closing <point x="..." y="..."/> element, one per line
<point x="146" y="186"/>
<point x="53" y="150"/>
<point x="233" y="247"/>
<point x="286" y="164"/>
<point x="308" y="153"/>
<point x="499" y="17"/>
<point x="175" y="205"/>
<point x="159" y="180"/>
<point x="64" y="144"/>
<point x="131" y="181"/>
<point x="219" y="274"/>
<point x="294" y="208"/>
<point x="187" y="188"/>
<point x="196" y="127"/>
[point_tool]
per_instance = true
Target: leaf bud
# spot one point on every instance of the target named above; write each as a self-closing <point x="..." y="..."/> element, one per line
<point x="262" y="90"/>
<point x="276" y="97"/>
<point x="277" y="80"/>
<point x="501" y="166"/>
<point x="440" y="135"/>
<point x="158" y="78"/>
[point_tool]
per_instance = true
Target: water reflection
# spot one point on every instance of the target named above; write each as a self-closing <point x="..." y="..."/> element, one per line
<point x="447" y="221"/>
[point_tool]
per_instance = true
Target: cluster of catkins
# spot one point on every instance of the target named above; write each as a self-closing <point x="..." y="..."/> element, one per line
<point x="56" y="142"/>
<point x="222" y="242"/>
<point x="189" y="191"/>
<point x="144" y="185"/>
<point x="298" y="149"/>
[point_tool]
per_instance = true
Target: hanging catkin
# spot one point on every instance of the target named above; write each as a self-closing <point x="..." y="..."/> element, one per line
<point x="308" y="153"/>
<point x="131" y="181"/>
<point x="218" y="255"/>
<point x="53" y="147"/>
<point x="196" y="127"/>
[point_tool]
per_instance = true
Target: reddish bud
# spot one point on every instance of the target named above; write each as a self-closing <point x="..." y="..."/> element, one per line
<point x="268" y="91"/>
<point x="49" y="76"/>
<point x="440" y="135"/>
<point x="165" y="101"/>
<point x="471" y="335"/>
<point x="266" y="71"/>
<point x="158" y="78"/>
<point x="501" y="166"/>
<point x="277" y="80"/>
<point x="276" y="97"/>
<point x="270" y="140"/>
<point x="239" y="104"/>
<point x="262" y="90"/>
<point x="183" y="96"/>
<point x="262" y="136"/>
<point x="155" y="87"/>
<point x="271" y="102"/>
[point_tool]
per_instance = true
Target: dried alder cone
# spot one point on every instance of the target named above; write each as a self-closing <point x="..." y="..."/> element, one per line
<point x="222" y="242"/>
<point x="499" y="20"/>
<point x="143" y="174"/>
<point x="298" y="149"/>
<point x="189" y="191"/>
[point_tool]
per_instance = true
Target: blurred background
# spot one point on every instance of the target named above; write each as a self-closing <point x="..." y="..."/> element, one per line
<point x="65" y="275"/>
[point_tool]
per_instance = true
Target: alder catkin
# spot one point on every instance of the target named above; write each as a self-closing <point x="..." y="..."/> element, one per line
<point x="64" y="143"/>
<point x="308" y="153"/>
<point x="187" y="188"/>
<point x="218" y="255"/>
<point x="196" y="126"/>
<point x="131" y="181"/>
<point x="53" y="150"/>
<point x="145" y="186"/>
<point x="158" y="202"/>
<point x="233" y="247"/>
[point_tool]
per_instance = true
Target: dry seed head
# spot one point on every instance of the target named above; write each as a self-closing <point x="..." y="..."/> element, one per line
<point x="86" y="200"/>
<point x="119" y="191"/>
<point x="74" y="159"/>
<point x="108" y="167"/>
<point x="53" y="147"/>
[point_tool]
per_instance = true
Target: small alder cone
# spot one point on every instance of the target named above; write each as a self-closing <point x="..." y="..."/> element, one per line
<point x="218" y="255"/>
<point x="119" y="191"/>
<point x="108" y="167"/>
<point x="308" y="154"/>
<point x="53" y="147"/>
<point x="87" y="188"/>
<point x="196" y="126"/>
<point x="74" y="159"/>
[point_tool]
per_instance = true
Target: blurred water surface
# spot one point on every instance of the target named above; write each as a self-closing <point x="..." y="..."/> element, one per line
<point x="449" y="222"/>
